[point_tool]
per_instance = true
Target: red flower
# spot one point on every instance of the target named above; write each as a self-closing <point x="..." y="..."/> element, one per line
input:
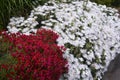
<point x="38" y="56"/>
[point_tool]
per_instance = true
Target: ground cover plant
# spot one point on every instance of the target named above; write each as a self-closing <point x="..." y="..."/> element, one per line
<point x="34" y="57"/>
<point x="90" y="33"/>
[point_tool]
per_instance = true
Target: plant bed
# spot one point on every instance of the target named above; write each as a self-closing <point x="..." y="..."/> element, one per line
<point x="90" y="33"/>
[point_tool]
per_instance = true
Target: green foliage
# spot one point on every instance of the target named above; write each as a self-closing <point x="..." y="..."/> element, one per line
<point x="7" y="60"/>
<point x="4" y="46"/>
<point x="116" y="3"/>
<point x="113" y="3"/>
<point x="1" y="27"/>
<point x="9" y="8"/>
<point x="104" y="2"/>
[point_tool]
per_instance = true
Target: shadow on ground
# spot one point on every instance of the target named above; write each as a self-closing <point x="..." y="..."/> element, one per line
<point x="113" y="72"/>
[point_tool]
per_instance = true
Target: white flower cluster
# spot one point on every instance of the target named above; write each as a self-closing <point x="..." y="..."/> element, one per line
<point x="90" y="32"/>
<point x="21" y="25"/>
